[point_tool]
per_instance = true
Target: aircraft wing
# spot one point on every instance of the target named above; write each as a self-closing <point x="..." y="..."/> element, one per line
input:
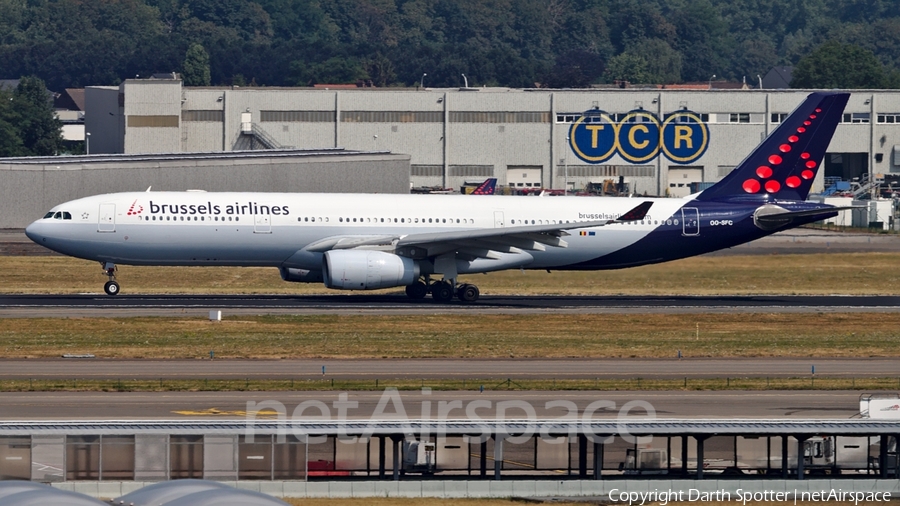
<point x="474" y="243"/>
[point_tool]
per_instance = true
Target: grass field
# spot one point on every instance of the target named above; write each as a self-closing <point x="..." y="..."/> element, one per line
<point x="442" y="335"/>
<point x="456" y="385"/>
<point x="846" y="274"/>
<point x="384" y="501"/>
<point x="378" y="501"/>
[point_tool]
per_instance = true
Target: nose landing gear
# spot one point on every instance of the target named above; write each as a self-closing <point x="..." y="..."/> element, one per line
<point x="111" y="287"/>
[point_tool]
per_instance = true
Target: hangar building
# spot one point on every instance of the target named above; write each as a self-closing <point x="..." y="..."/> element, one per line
<point x="31" y="186"/>
<point x="521" y="137"/>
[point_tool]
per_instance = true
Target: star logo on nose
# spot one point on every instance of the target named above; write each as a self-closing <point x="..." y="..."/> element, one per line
<point x="85" y="216"/>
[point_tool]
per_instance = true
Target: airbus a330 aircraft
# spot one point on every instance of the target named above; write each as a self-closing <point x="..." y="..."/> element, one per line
<point x="364" y="242"/>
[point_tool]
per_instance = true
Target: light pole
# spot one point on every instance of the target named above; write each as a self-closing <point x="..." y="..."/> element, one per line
<point x="566" y="167"/>
<point x="710" y="80"/>
<point x="422" y="81"/>
<point x="465" y="81"/>
<point x="375" y="140"/>
<point x="87" y="143"/>
<point x="760" y="81"/>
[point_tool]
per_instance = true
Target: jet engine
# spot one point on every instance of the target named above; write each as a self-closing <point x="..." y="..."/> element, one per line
<point x="367" y="270"/>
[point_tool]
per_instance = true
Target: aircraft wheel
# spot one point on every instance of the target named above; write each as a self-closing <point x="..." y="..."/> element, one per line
<point x="442" y="292"/>
<point x="417" y="290"/>
<point x="468" y="293"/>
<point x="111" y="288"/>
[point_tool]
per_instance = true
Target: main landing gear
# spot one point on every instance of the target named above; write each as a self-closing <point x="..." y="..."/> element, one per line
<point x="112" y="286"/>
<point x="443" y="291"/>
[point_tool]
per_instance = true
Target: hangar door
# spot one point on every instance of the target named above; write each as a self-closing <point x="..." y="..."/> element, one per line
<point x="680" y="179"/>
<point x="524" y="177"/>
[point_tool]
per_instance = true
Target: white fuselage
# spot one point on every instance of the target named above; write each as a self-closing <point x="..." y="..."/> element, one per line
<point x="269" y="229"/>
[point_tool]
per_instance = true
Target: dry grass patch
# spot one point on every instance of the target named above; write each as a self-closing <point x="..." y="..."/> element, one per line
<point x="848" y="274"/>
<point x="451" y="385"/>
<point x="395" y="501"/>
<point x="382" y="501"/>
<point x="449" y="336"/>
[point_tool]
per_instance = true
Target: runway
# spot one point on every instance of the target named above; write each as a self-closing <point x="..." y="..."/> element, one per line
<point x="385" y="369"/>
<point x="37" y="306"/>
<point x="434" y="405"/>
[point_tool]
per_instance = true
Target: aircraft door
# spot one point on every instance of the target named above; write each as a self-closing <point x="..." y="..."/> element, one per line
<point x="107" y="218"/>
<point x="690" y="220"/>
<point x="262" y="224"/>
<point x="498" y="219"/>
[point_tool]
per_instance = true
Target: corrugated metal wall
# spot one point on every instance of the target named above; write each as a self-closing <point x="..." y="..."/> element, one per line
<point x="28" y="190"/>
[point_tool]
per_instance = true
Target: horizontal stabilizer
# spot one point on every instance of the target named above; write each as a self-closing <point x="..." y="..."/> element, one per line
<point x="771" y="218"/>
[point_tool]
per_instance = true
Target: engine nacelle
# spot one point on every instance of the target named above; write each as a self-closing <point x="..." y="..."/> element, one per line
<point x="367" y="270"/>
<point x="301" y="275"/>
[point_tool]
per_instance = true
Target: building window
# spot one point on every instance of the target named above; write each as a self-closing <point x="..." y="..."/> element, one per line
<point x="890" y="118"/>
<point x="778" y="117"/>
<point x="185" y="457"/>
<point x="855" y="117"/>
<point x="500" y="117"/>
<point x="100" y="458"/>
<point x="392" y="116"/>
<point x="739" y="117"/>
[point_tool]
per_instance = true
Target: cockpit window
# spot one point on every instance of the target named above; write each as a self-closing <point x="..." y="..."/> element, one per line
<point x="48" y="215"/>
<point x="67" y="215"/>
<point x="57" y="216"/>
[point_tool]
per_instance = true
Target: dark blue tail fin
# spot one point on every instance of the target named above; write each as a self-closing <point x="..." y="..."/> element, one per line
<point x="486" y="188"/>
<point x="784" y="165"/>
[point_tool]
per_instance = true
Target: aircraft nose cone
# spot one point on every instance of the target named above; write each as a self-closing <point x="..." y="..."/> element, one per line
<point x="33" y="232"/>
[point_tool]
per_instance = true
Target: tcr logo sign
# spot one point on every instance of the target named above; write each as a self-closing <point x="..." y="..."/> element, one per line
<point x="639" y="136"/>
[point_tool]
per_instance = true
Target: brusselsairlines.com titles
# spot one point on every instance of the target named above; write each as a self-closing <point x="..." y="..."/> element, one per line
<point x="236" y="209"/>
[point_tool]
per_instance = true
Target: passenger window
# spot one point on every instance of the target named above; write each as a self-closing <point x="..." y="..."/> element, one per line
<point x="237" y="219"/>
<point x="203" y="218"/>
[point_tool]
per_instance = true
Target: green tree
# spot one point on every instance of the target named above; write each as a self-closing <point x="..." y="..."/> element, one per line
<point x="837" y="65"/>
<point x="28" y="125"/>
<point x="627" y="67"/>
<point x="663" y="62"/>
<point x="195" y="71"/>
<point x="10" y="142"/>
<point x="332" y="71"/>
<point x="38" y="127"/>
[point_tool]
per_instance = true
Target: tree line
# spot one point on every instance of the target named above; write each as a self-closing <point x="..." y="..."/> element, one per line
<point x="517" y="43"/>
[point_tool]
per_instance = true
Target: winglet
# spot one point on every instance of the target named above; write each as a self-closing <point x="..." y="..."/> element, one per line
<point x="637" y="213"/>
